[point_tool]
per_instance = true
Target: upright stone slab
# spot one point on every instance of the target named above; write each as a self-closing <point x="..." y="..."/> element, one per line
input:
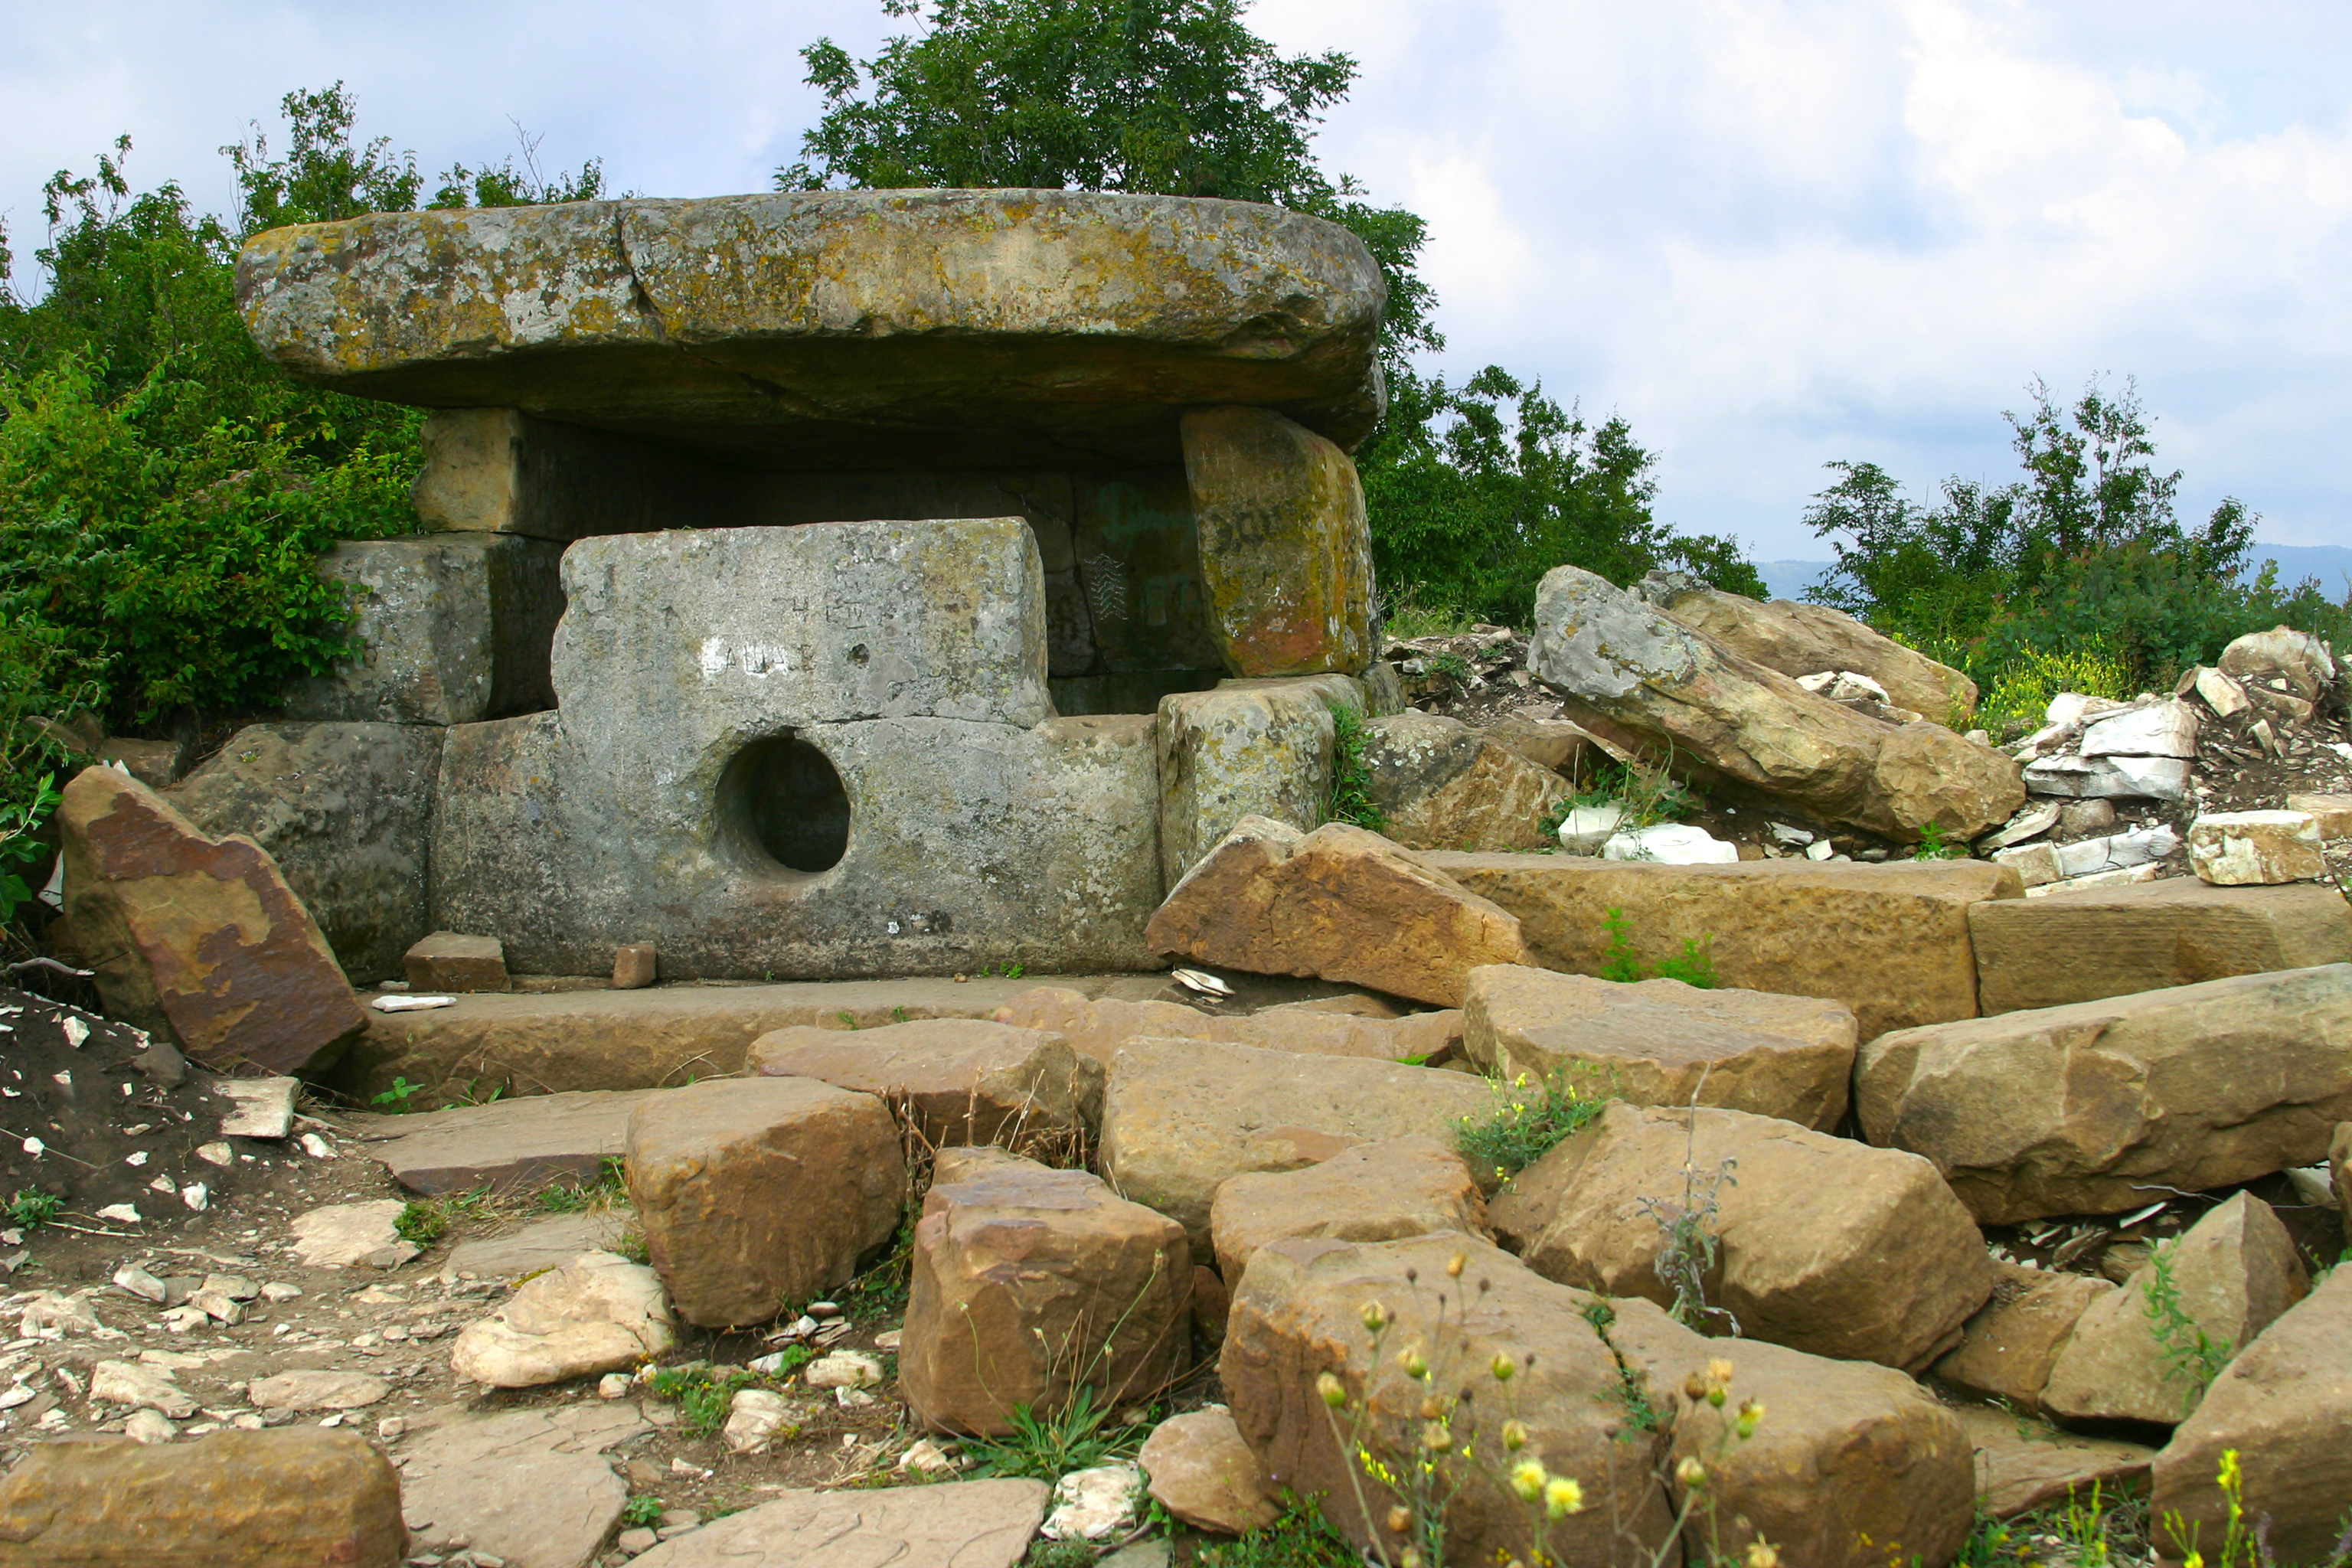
<point x="1285" y="550"/>
<point x="1444" y="785"/>
<point x="1260" y="748"/>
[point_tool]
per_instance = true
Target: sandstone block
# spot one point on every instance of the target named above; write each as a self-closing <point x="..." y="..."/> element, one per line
<point x="1179" y="1117"/>
<point x="2080" y="946"/>
<point x="966" y="1080"/>
<point x="318" y="1390"/>
<point x="1096" y="1028"/>
<point x="512" y="1145"/>
<point x="599" y="1313"/>
<point x="1552" y="744"/>
<point x="1670" y="687"/>
<point x="633" y="966"/>
<point x="1341" y="902"/>
<point x="968" y="1524"/>
<point x="1660" y="1042"/>
<point x="1442" y="786"/>
<point x="540" y="1244"/>
<point x="1373" y="1192"/>
<point x="346" y="810"/>
<point x="2281" y="663"/>
<point x="1203" y="1473"/>
<point x="450" y="961"/>
<point x="2196" y="1087"/>
<point x="1890" y="942"/>
<point x="351" y="1236"/>
<point x="1031" y="1284"/>
<point x="2165" y="729"/>
<point x="292" y="1498"/>
<point x="2110" y="778"/>
<point x="2283" y="1406"/>
<point x="1888" y="1274"/>
<point x="2228" y="1279"/>
<point x="198" y="937"/>
<point x="1285" y="554"/>
<point x="2020" y="1468"/>
<point x="1246" y="749"/>
<point x="2331" y="813"/>
<point x="757" y="1191"/>
<point x="2007" y="1350"/>
<point x="532" y="1487"/>
<point x="2241" y="848"/>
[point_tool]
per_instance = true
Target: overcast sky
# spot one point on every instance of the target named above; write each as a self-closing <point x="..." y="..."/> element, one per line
<point x="1769" y="235"/>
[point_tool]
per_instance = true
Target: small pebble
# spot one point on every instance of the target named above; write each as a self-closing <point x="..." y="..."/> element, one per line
<point x="615" y="1384"/>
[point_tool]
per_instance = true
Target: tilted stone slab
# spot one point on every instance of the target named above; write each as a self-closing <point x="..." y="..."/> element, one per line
<point x="1890" y="942"/>
<point x="2009" y="1347"/>
<point x="965" y="1524"/>
<point x="509" y="1145"/>
<point x="2022" y="1465"/>
<point x="1373" y="1192"/>
<point x="532" y="1486"/>
<point x="1444" y="785"/>
<point x="828" y="329"/>
<point x="2081" y="946"/>
<point x="2193" y="1088"/>
<point x="963" y="1080"/>
<point x="1098" y="1028"/>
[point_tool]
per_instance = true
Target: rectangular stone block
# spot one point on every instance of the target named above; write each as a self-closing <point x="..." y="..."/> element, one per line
<point x="453" y="961"/>
<point x="2078" y="946"/>
<point x="501" y="470"/>
<point x="1891" y="941"/>
<point x="2332" y="814"/>
<point x="1250" y="748"/>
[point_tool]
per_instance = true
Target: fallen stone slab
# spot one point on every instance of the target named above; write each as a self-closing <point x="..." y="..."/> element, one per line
<point x="2162" y="729"/>
<point x="532" y="1486"/>
<point x="299" y="1494"/>
<point x="2282" y="662"/>
<point x="599" y="1039"/>
<point x="2253" y="849"/>
<point x="2007" y="1350"/>
<point x="260" y="1107"/>
<point x="1373" y="1192"/>
<point x="316" y="1390"/>
<point x="1098" y="1028"/>
<point x="2193" y="1088"/>
<point x="1339" y="903"/>
<point x="1890" y="942"/>
<point x="1889" y="1273"/>
<point x="598" y="1313"/>
<point x="352" y="1235"/>
<point x="755" y="1192"/>
<point x="2226" y="1279"/>
<point x="1663" y="1042"/>
<point x="2081" y="946"/>
<point x="2282" y="1407"/>
<point x="537" y="1245"/>
<point x="140" y="1388"/>
<point x="964" y="1080"/>
<point x="510" y="1145"/>
<point x="1202" y="1472"/>
<point x="2022" y="1465"/>
<point x="1442" y="786"/>
<point x="966" y="1524"/>
<point x="1030" y="1284"/>
<point x="1181" y="1117"/>
<point x="198" y="939"/>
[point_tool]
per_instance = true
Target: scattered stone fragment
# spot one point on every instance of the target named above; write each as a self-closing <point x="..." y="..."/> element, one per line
<point x="261" y="1107"/>
<point x="2251" y="848"/>
<point x="529" y="1487"/>
<point x="1442" y="786"/>
<point x="970" y="1524"/>
<point x="128" y="1382"/>
<point x="509" y="1144"/>
<point x="2034" y="818"/>
<point x="450" y="961"/>
<point x="964" y="1080"/>
<point x="1585" y="828"/>
<point x="633" y="966"/>
<point x="139" y="1282"/>
<point x="599" y="1314"/>
<point x="843" y="1369"/>
<point x="1793" y="1272"/>
<point x="755" y="1192"/>
<point x="2165" y="729"/>
<point x="1671" y="844"/>
<point x="1031" y="1283"/>
<point x="2191" y="1087"/>
<point x="317" y="1390"/>
<point x="2022" y="1465"/>
<point x="2291" y="673"/>
<point x="1093" y="1504"/>
<point x="148" y="1426"/>
<point x="755" y="1417"/>
<point x="1662" y="1042"/>
<point x="51" y="1312"/>
<point x="1339" y="903"/>
<point x="315" y="1497"/>
<point x="1373" y="1192"/>
<point x="1203" y="1473"/>
<point x="352" y="1235"/>
<point x="2007" y="1350"/>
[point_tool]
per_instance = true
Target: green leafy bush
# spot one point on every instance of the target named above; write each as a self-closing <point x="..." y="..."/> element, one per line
<point x="1351" y="779"/>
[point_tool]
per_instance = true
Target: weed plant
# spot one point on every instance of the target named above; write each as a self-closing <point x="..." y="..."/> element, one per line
<point x="424" y="1221"/>
<point x="1694" y="966"/>
<point x="606" y="1186"/>
<point x="2191" y="1356"/>
<point x="1529" y="1120"/>
<point x="32" y="1208"/>
<point x="1351" y="778"/>
<point x="1045" y="1445"/>
<point x="642" y="1513"/>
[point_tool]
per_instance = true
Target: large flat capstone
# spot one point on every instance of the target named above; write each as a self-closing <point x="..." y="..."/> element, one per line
<point x="827" y="329"/>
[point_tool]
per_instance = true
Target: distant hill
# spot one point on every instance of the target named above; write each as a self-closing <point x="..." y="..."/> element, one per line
<point x="2331" y="563"/>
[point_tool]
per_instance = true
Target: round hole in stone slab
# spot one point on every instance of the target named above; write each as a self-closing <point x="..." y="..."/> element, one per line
<point x="782" y="800"/>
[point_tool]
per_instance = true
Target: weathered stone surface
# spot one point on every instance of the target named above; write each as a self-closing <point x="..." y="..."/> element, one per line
<point x="1373" y="1192"/>
<point x="293" y="1498"/>
<point x="453" y="629"/>
<point x="351" y="1236"/>
<point x="1098" y="1028"/>
<point x="1259" y="748"/>
<point x="2232" y="1274"/>
<point x="2281" y="667"/>
<point x="598" y="1313"/>
<point x="1798" y="639"/>
<point x="512" y="1145"/>
<point x="1553" y="743"/>
<point x="2331" y="813"/>
<point x="2116" y="778"/>
<point x="197" y="937"/>
<point x="2195" y="1087"/>
<point x="2243" y="849"/>
<point x="1442" y="786"/>
<point x="528" y="1486"/>
<point x="755" y="1192"/>
<point x="1181" y="1117"/>
<point x="316" y="1390"/>
<point x="1299" y="1312"/>
<point x="1890" y="942"/>
<point x="966" y="1080"/>
<point x="1285" y="554"/>
<point x="956" y="1524"/>
<point x="1662" y="1042"/>
<point x="141" y="1388"/>
<point x="1203" y="1473"/>
<point x="1031" y="1283"/>
<point x="2021" y="1466"/>
<point x="1339" y="903"/>
<point x="346" y="811"/>
<point x="2081" y="946"/>
<point x="1846" y="1458"/>
<point x="2162" y="729"/>
<point x="1669" y="686"/>
<point x="2283" y="1405"/>
<point x="633" y="966"/>
<point x="539" y="1245"/>
<point x="2007" y="1350"/>
<point x="452" y="960"/>
<point x="1888" y="1274"/>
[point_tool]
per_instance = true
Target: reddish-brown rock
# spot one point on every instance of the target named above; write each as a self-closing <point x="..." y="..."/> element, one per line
<point x="2007" y="1350"/>
<point x="1098" y="1028"/>
<point x="1373" y="1192"/>
<point x="965" y="1080"/>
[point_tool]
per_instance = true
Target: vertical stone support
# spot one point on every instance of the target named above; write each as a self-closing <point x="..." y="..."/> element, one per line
<point x="1259" y="748"/>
